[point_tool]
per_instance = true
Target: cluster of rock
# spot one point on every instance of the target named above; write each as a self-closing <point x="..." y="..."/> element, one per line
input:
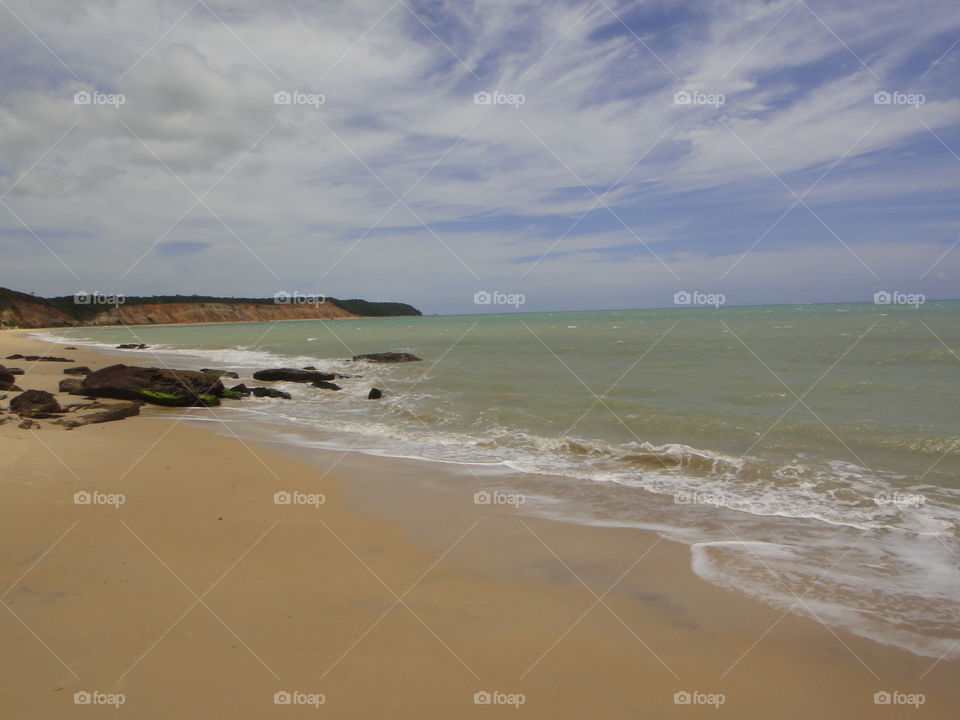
<point x="157" y="386"/>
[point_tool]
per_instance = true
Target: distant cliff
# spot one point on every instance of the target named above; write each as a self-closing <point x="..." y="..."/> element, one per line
<point x="20" y="310"/>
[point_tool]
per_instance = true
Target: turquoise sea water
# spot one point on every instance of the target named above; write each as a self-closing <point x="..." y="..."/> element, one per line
<point x="766" y="438"/>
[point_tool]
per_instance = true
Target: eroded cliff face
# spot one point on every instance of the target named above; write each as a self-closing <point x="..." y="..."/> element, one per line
<point x="19" y="312"/>
<point x="175" y="313"/>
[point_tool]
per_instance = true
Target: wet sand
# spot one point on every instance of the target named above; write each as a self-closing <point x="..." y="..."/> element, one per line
<point x="200" y="597"/>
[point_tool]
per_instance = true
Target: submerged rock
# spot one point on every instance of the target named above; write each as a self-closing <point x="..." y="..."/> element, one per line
<point x="292" y="375"/>
<point x="132" y="346"/>
<point x="325" y="385"/>
<point x="220" y="373"/>
<point x="270" y="392"/>
<point x="375" y="394"/>
<point x="388" y="357"/>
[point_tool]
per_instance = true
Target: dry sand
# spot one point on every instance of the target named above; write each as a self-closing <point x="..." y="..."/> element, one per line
<point x="199" y="597"/>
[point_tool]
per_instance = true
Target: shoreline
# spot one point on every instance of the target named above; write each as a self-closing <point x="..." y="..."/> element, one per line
<point x="497" y="601"/>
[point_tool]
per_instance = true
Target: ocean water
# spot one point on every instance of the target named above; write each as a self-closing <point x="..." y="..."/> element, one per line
<point x="808" y="455"/>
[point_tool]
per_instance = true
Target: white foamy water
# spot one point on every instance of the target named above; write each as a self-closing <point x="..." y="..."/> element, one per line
<point x="847" y="513"/>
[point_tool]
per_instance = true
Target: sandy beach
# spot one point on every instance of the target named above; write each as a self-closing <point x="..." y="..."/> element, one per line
<point x="195" y="595"/>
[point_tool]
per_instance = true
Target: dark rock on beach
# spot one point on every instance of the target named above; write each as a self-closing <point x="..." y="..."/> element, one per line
<point x="270" y="392"/>
<point x="74" y="386"/>
<point x="36" y="404"/>
<point x="220" y="373"/>
<point x="79" y="370"/>
<point x="154" y="385"/>
<point x="112" y="412"/>
<point x="15" y="371"/>
<point x="292" y="375"/>
<point x="326" y="385"/>
<point x="38" y="358"/>
<point x="6" y="378"/>
<point x="388" y="357"/>
<point x="375" y="394"/>
<point x="132" y="346"/>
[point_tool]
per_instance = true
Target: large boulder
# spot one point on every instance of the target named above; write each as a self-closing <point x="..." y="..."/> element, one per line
<point x="293" y="375"/>
<point x="36" y="404"/>
<point x="388" y="357"/>
<point x="154" y="385"/>
<point x="269" y="392"/>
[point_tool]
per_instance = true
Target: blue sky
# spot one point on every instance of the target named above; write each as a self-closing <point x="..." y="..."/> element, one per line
<point x="590" y="185"/>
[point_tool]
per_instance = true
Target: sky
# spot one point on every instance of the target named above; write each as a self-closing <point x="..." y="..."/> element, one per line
<point x="562" y="155"/>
